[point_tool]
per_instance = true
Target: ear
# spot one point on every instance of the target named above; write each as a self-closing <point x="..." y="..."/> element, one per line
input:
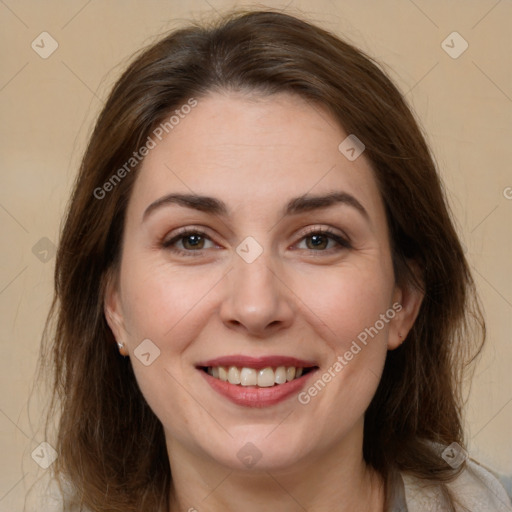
<point x="113" y="312"/>
<point x="410" y="298"/>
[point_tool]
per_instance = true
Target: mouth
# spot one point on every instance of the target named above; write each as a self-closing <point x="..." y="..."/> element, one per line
<point x="256" y="382"/>
<point x="262" y="378"/>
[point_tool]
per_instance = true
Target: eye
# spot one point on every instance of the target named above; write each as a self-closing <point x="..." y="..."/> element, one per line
<point x="192" y="241"/>
<point x="188" y="241"/>
<point x="323" y="240"/>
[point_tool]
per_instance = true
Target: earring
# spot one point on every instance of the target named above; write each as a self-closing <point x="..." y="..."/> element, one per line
<point x="120" y="346"/>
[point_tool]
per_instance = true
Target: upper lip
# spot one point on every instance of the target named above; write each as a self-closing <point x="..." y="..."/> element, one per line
<point x="257" y="363"/>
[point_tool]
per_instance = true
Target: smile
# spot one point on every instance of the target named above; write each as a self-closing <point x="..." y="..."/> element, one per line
<point x="263" y="378"/>
<point x="256" y="382"/>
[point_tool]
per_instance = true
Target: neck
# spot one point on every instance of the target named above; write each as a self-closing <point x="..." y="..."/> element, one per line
<point x="337" y="479"/>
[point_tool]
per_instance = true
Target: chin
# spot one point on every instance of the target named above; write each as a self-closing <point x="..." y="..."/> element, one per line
<point x="256" y="449"/>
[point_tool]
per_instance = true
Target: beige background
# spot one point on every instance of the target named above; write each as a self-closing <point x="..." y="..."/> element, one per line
<point x="48" y="107"/>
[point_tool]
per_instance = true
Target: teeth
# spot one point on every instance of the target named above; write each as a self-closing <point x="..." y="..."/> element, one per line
<point x="266" y="378"/>
<point x="248" y="377"/>
<point x="280" y="375"/>
<point x="223" y="374"/>
<point x="263" y="378"/>
<point x="234" y="375"/>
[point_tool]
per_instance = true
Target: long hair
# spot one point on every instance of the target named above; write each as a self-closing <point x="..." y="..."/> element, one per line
<point x="111" y="446"/>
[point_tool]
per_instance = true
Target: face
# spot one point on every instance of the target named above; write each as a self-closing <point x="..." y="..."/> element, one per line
<point x="253" y="247"/>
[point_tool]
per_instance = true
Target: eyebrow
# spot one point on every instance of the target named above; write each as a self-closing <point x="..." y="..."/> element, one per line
<point x="301" y="204"/>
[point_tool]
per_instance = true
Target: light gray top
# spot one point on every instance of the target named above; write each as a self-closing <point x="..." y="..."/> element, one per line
<point x="477" y="488"/>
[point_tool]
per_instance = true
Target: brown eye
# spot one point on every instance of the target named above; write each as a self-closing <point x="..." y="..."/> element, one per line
<point x="317" y="241"/>
<point x="193" y="241"/>
<point x="188" y="242"/>
<point x="322" y="240"/>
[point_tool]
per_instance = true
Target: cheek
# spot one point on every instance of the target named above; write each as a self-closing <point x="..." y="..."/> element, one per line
<point x="158" y="299"/>
<point x="168" y="307"/>
<point x="347" y="315"/>
<point x="345" y="302"/>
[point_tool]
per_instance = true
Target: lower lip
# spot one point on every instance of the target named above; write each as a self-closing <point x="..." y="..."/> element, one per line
<point x="253" y="396"/>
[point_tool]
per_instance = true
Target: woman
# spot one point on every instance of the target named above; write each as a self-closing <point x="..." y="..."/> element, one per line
<point x="261" y="299"/>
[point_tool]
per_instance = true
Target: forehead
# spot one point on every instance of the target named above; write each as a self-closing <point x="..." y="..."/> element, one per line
<point x="254" y="153"/>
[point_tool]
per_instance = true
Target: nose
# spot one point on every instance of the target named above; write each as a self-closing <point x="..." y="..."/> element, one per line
<point x="257" y="301"/>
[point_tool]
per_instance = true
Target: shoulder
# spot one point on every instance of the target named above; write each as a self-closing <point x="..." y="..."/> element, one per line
<point x="476" y="488"/>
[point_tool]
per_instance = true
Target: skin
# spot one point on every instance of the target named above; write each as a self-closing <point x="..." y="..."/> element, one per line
<point x="255" y="153"/>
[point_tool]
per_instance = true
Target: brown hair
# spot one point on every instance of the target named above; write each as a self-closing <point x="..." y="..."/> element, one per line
<point x="111" y="445"/>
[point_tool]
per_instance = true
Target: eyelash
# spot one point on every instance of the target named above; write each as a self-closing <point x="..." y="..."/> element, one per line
<point x="342" y="242"/>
